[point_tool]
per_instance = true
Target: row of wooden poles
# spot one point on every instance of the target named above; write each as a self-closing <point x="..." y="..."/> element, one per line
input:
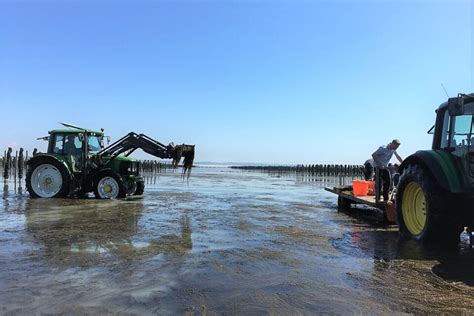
<point x="14" y="165"/>
<point x="323" y="170"/>
<point x="154" y="166"/>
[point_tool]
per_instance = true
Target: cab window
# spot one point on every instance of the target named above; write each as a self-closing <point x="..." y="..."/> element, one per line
<point x="58" y="144"/>
<point x="72" y="145"/>
<point x="462" y="131"/>
<point x="94" y="143"/>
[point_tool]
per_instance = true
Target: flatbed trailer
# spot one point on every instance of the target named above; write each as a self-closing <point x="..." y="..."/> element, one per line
<point x="346" y="197"/>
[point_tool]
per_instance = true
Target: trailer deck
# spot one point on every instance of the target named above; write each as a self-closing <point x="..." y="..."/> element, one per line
<point x="345" y="194"/>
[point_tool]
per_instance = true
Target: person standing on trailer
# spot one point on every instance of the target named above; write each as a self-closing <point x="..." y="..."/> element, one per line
<point x="381" y="158"/>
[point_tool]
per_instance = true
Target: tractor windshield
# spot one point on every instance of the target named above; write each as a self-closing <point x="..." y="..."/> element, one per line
<point x="94" y="143"/>
<point x="462" y="139"/>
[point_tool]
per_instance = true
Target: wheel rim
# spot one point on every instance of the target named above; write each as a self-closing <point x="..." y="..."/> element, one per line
<point x="414" y="208"/>
<point x="46" y="180"/>
<point x="108" y="188"/>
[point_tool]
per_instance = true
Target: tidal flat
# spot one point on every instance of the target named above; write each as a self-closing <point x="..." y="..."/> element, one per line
<point x="222" y="242"/>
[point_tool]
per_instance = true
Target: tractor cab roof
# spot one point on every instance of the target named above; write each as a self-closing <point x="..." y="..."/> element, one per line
<point x="76" y="131"/>
<point x="468" y="98"/>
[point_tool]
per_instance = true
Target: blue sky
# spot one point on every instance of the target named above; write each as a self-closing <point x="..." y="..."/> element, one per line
<point x="246" y="81"/>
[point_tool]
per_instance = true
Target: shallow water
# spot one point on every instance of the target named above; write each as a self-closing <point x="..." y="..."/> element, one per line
<point x="225" y="241"/>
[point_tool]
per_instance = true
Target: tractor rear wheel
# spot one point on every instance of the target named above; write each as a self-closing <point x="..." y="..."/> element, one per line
<point x="47" y="178"/>
<point x="421" y="205"/>
<point x="140" y="188"/>
<point x="109" y="186"/>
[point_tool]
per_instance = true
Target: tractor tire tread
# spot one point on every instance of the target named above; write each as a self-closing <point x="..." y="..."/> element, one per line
<point x="140" y="188"/>
<point x="439" y="224"/>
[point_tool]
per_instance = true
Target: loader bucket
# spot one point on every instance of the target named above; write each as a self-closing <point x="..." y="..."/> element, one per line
<point x="188" y="162"/>
<point x="186" y="151"/>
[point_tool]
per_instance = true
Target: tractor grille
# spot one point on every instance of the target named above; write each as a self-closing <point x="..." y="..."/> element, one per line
<point x="130" y="168"/>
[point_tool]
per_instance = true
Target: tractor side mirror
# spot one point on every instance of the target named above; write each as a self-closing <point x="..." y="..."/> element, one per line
<point x="456" y="106"/>
<point x="108" y="140"/>
<point x="81" y="137"/>
<point x="431" y="130"/>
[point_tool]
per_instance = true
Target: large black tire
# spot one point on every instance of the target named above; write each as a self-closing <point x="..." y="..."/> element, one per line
<point x="46" y="163"/>
<point x="343" y="204"/>
<point x="140" y="188"/>
<point x="112" y="180"/>
<point x="422" y="207"/>
<point x="131" y="188"/>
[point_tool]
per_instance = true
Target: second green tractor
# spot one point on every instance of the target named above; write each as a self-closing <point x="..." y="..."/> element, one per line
<point x="435" y="194"/>
<point x="77" y="162"/>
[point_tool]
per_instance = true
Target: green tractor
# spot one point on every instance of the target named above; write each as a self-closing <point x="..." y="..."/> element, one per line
<point x="435" y="194"/>
<point x="77" y="162"/>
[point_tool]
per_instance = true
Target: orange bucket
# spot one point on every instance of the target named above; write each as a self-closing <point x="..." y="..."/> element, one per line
<point x="371" y="187"/>
<point x="360" y="187"/>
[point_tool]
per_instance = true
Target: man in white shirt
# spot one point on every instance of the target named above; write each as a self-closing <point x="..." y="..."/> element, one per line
<point x="381" y="158"/>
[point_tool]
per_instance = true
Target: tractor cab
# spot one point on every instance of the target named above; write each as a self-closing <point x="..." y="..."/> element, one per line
<point x="454" y="132"/>
<point x="75" y="145"/>
<point x="72" y="141"/>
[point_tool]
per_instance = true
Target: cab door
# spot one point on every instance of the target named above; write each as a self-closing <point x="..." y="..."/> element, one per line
<point x="462" y="143"/>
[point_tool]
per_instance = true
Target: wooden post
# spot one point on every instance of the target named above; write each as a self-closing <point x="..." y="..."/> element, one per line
<point x="21" y="162"/>
<point x="8" y="163"/>
<point x="15" y="164"/>
<point x="4" y="163"/>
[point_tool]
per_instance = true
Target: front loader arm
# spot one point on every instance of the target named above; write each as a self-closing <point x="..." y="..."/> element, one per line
<point x="133" y="141"/>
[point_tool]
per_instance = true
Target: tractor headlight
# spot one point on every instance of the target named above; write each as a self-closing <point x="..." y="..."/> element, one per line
<point x="132" y="168"/>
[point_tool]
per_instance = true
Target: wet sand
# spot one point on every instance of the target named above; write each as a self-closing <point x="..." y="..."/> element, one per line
<point x="225" y="242"/>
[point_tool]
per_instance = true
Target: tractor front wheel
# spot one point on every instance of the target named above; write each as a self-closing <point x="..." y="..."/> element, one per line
<point x="421" y="205"/>
<point x="109" y="186"/>
<point x="140" y="188"/>
<point x="132" y="187"/>
<point x="47" y="178"/>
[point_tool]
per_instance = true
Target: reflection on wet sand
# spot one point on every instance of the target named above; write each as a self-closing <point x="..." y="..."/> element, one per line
<point x="5" y="189"/>
<point x="85" y="232"/>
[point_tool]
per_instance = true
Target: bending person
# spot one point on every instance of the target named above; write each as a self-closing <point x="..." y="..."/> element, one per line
<point x="381" y="158"/>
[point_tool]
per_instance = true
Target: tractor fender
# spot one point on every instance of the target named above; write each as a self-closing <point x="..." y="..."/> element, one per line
<point x="93" y="177"/>
<point x="96" y="177"/>
<point x="101" y="172"/>
<point x="63" y="161"/>
<point x="440" y="165"/>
